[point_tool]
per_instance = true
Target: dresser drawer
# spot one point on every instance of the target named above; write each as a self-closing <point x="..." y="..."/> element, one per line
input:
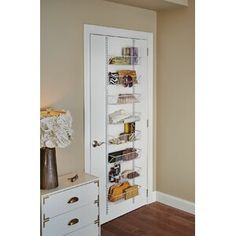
<point x="71" y="221"/>
<point x="56" y="204"/>
<point x="91" y="230"/>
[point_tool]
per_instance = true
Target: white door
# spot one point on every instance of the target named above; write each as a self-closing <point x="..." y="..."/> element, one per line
<point x="117" y="125"/>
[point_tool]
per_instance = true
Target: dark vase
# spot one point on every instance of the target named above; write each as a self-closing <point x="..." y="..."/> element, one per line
<point x="48" y="168"/>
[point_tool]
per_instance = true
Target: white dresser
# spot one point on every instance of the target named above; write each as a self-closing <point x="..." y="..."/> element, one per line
<point x="72" y="208"/>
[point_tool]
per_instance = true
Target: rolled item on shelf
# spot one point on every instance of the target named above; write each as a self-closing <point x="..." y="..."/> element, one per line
<point x="126" y="98"/>
<point x="116" y="191"/>
<point x="131" y="192"/>
<point x="129" y="174"/>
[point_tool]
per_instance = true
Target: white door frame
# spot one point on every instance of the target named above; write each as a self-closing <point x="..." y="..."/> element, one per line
<point x="109" y="31"/>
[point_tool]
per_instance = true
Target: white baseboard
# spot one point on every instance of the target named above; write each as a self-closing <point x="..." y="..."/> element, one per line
<point x="174" y="202"/>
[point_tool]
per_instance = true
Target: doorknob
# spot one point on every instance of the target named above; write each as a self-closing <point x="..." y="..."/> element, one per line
<point x="96" y="143"/>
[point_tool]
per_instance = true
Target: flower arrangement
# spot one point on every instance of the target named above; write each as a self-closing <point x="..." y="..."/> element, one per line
<point x="55" y="129"/>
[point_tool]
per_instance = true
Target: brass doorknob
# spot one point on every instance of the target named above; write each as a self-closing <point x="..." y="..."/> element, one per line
<point x="96" y="143"/>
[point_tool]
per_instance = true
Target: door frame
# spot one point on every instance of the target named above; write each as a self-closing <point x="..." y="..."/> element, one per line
<point x="110" y="31"/>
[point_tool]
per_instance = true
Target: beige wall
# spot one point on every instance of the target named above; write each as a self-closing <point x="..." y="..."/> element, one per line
<point x="175" y="102"/>
<point x="62" y="58"/>
<point x="62" y="80"/>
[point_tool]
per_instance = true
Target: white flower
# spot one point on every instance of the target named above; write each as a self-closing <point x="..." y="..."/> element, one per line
<point x="55" y="131"/>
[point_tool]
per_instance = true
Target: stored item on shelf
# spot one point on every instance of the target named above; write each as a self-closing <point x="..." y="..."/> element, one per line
<point x="119" y="60"/>
<point x="132" y="137"/>
<point x="127" y="77"/>
<point x="115" y="156"/>
<point x="129" y="128"/>
<point x="113" y="78"/>
<point x="131" y="192"/>
<point x="118" y="116"/>
<point x="126" y="51"/>
<point x="126" y="98"/>
<point x="131" y="73"/>
<point x="114" y="173"/>
<point x="129" y="154"/>
<point x="127" y="81"/>
<point x="123" y="155"/>
<point x="121" y="116"/>
<point x="132" y="53"/>
<point x="132" y="118"/>
<point x="116" y="192"/>
<point x="117" y="140"/>
<point x="124" y="138"/>
<point x="129" y="174"/>
<point x="114" y="179"/>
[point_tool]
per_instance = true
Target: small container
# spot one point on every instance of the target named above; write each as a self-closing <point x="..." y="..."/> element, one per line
<point x="124" y="137"/>
<point x="129" y="128"/>
<point x="134" y="51"/>
<point x="134" y="55"/>
<point x="126" y="51"/>
<point x="48" y="168"/>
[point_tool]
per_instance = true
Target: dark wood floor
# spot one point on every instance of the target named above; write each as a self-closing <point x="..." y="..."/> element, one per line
<point x="155" y="219"/>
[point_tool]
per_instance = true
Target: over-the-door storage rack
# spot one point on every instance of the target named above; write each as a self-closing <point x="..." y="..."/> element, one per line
<point x="131" y="61"/>
<point x="101" y="44"/>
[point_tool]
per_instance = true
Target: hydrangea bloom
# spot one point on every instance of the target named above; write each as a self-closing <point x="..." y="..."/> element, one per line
<point x="55" y="131"/>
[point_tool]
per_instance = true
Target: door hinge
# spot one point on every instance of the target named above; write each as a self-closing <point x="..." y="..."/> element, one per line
<point x="147" y="192"/>
<point x="147" y="52"/>
<point x="97" y="201"/>
<point x="147" y="123"/>
<point x="97" y="221"/>
<point x="45" y="220"/>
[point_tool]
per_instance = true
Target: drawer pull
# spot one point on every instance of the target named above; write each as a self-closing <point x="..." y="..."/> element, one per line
<point x="73" y="199"/>
<point x="74" y="178"/>
<point x="73" y="221"/>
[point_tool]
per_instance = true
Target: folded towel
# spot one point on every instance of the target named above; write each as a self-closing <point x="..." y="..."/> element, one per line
<point x="121" y="116"/>
<point x="118" y="116"/>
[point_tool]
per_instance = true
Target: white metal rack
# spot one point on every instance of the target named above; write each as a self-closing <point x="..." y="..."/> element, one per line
<point x="129" y="99"/>
<point x="124" y="98"/>
<point x="101" y="99"/>
<point x="124" y="155"/>
<point x="125" y="138"/>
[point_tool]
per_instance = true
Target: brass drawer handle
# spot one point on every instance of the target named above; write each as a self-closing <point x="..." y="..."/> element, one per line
<point x="73" y="221"/>
<point x="73" y="200"/>
<point x="74" y="178"/>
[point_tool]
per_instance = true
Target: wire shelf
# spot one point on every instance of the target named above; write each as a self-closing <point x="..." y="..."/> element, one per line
<point x="114" y="194"/>
<point x="125" y="175"/>
<point x="121" y="117"/>
<point x="124" y="98"/>
<point x="114" y="78"/>
<point x="124" y="60"/>
<point x="125" y="138"/>
<point x="130" y="174"/>
<point x="124" y="155"/>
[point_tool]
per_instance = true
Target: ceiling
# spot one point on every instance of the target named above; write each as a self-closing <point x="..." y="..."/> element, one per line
<point x="152" y="4"/>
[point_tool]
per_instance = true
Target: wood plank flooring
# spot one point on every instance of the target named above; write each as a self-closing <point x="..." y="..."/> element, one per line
<point x="155" y="219"/>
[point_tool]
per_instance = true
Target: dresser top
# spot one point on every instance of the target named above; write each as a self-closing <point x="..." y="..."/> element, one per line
<point x="65" y="183"/>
